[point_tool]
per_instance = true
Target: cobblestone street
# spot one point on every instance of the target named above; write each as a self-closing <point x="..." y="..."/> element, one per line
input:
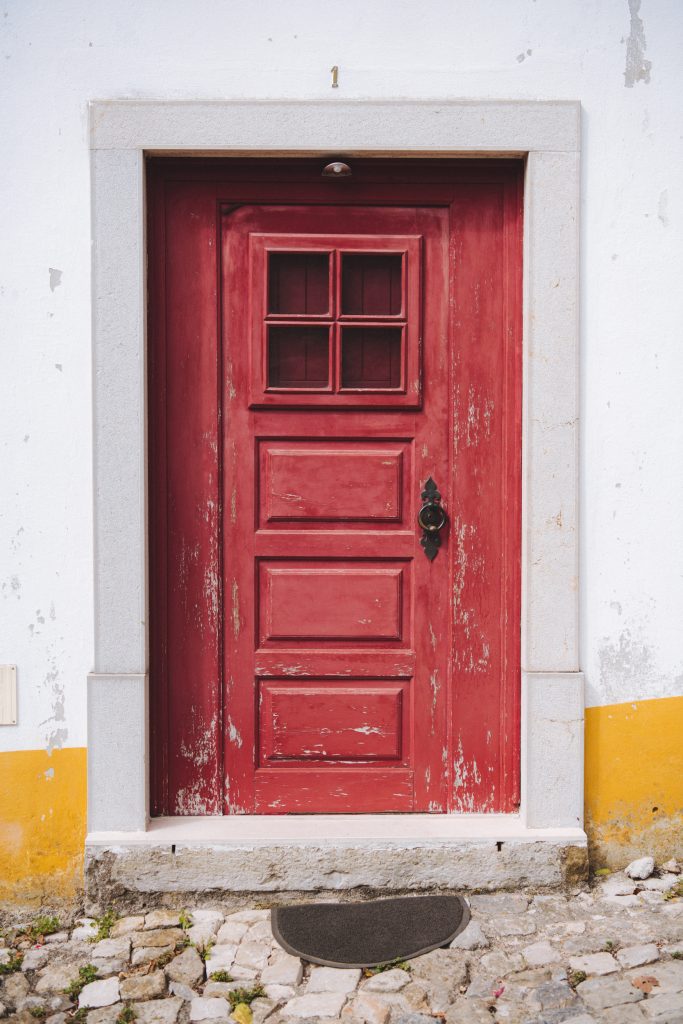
<point x="612" y="954"/>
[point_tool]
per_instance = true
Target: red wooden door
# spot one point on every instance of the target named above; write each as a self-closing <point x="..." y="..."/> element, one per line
<point x="313" y="363"/>
<point x="336" y="690"/>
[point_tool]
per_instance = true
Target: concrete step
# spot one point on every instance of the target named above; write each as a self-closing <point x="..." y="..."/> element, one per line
<point x="306" y="854"/>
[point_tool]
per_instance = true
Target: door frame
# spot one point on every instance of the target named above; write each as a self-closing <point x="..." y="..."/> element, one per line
<point x="547" y="135"/>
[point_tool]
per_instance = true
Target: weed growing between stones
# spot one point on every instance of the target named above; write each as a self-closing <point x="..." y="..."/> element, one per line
<point x="127" y="1015"/>
<point x="675" y="891"/>
<point x="245" y="995"/>
<point x="105" y="925"/>
<point x="80" y="1016"/>
<point x="576" y="977"/>
<point x="676" y="955"/>
<point x="204" y="950"/>
<point x="392" y="965"/>
<point x="46" y="924"/>
<point x="163" y="960"/>
<point x="86" y="975"/>
<point x="13" y="964"/>
<point x="220" y="976"/>
<point x="38" y="1012"/>
<point x="185" y="920"/>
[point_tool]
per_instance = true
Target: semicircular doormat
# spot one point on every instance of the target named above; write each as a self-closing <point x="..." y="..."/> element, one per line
<point x="369" y="934"/>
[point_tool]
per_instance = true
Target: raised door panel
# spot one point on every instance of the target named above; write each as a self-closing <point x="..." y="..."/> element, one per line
<point x="333" y="481"/>
<point x="316" y="603"/>
<point x="331" y="723"/>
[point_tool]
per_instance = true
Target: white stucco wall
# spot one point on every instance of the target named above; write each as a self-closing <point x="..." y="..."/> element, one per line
<point x="622" y="64"/>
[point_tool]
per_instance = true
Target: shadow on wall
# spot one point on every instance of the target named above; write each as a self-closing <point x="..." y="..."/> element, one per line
<point x="634" y="781"/>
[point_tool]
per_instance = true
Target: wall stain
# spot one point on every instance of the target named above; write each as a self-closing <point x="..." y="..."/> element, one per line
<point x="14" y="585"/>
<point x="629" y="666"/>
<point x="637" y="67"/>
<point x="663" y="207"/>
<point x="55" y="278"/>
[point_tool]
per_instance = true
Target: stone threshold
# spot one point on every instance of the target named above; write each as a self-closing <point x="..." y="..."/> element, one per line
<point x="314" y="854"/>
<point x="273" y="829"/>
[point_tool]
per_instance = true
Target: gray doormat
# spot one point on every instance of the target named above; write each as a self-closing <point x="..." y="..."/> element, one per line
<point x="369" y="934"/>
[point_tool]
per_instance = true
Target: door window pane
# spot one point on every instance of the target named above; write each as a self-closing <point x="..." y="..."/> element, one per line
<point x="371" y="357"/>
<point x="298" y="282"/>
<point x="371" y="284"/>
<point x="298" y="357"/>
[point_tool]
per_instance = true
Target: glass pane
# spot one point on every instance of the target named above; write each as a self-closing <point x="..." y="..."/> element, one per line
<point x="371" y="357"/>
<point x="298" y="357"/>
<point x="298" y="282"/>
<point x="371" y="284"/>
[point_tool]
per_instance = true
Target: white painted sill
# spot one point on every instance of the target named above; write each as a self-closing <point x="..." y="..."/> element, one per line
<point x="324" y="829"/>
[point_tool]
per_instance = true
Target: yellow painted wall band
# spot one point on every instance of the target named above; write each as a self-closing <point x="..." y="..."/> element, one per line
<point x="42" y="823"/>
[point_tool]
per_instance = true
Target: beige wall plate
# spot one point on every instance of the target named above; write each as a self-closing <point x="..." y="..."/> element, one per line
<point x="8" y="694"/>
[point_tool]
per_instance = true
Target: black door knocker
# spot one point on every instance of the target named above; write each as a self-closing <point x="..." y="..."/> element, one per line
<point x="431" y="518"/>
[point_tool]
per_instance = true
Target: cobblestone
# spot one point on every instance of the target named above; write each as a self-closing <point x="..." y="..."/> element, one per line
<point x="162" y="919"/>
<point x="316" y="1004"/>
<point x="146" y="953"/>
<point x="635" y="956"/>
<point x="601" y="993"/>
<point x="126" y="925"/>
<point x="100" y="993"/>
<point x="664" y="1009"/>
<point x="144" y="986"/>
<point x="209" y="1009"/>
<point x="119" y="947"/>
<point x="472" y="937"/>
<point x="331" y="979"/>
<point x="157" y="937"/>
<point x="158" y="1011"/>
<point x="523" y="959"/>
<point x="34" y="959"/>
<point x="187" y="968"/>
<point x="387" y="981"/>
<point x="595" y="963"/>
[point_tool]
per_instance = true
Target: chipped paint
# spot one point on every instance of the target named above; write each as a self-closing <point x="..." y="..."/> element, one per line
<point x="236" y="624"/>
<point x="637" y="67"/>
<point x="233" y="734"/>
<point x="629" y="666"/>
<point x="434" y="687"/>
<point x="200" y="747"/>
<point x="479" y="418"/>
<point x="466" y="775"/>
<point x="191" y="800"/>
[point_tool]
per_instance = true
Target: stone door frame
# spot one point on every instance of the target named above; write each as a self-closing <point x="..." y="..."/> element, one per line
<point x="547" y="136"/>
